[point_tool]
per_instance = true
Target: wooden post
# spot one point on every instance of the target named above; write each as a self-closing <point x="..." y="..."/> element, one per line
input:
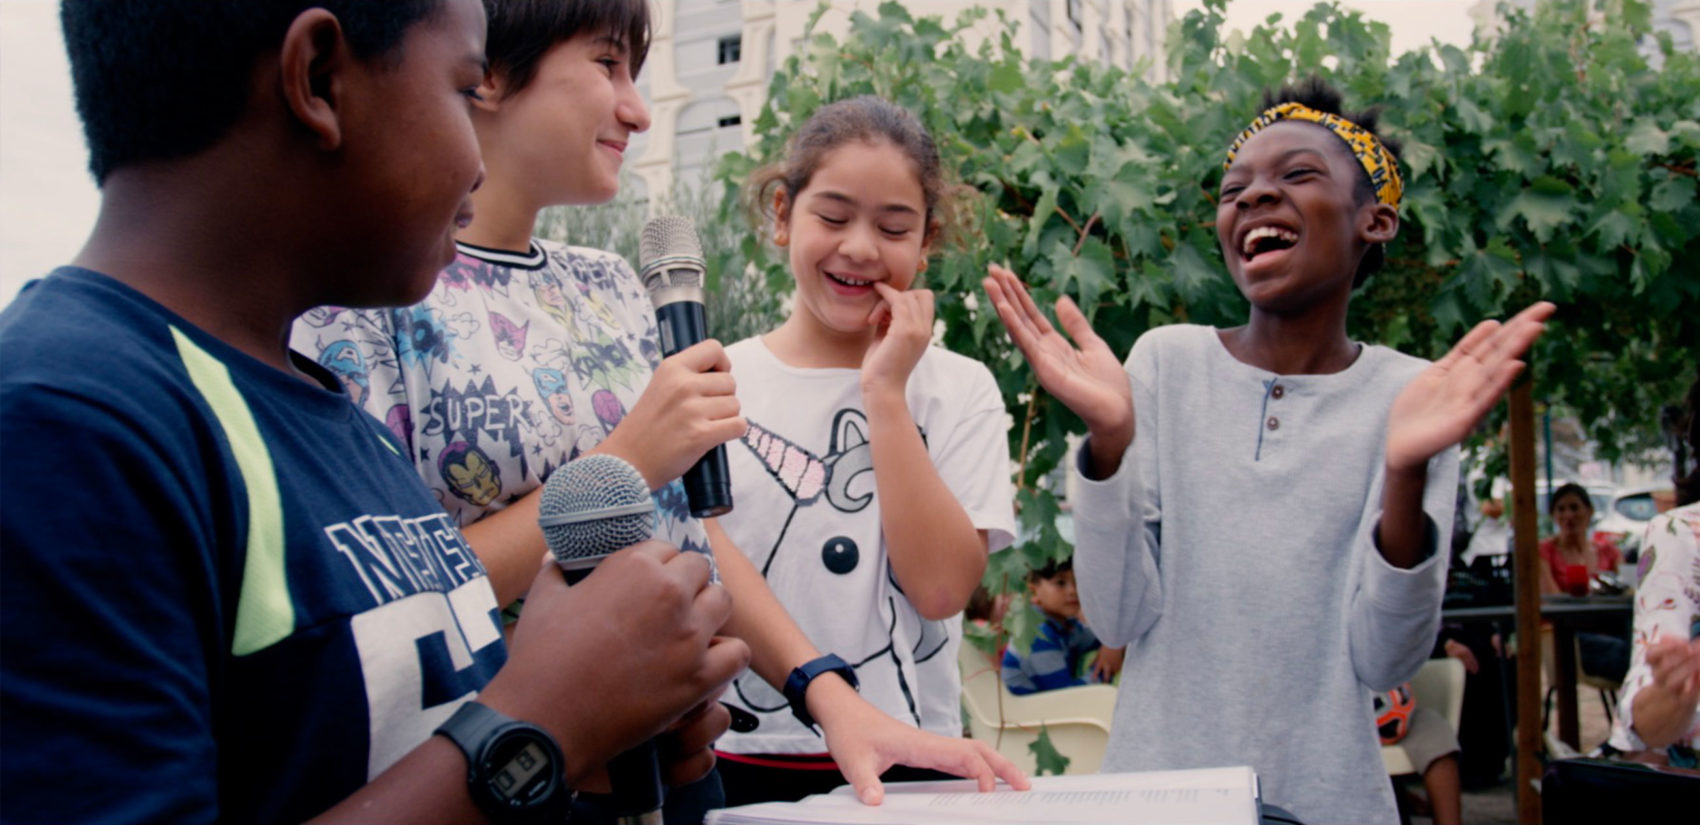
<point x="1526" y="569"/>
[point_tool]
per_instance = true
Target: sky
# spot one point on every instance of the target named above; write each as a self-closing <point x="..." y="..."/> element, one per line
<point x="48" y="201"/>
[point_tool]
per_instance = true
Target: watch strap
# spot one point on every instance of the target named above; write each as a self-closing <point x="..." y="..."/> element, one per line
<point x="797" y="684"/>
<point x="474" y="728"/>
<point x="469" y="726"/>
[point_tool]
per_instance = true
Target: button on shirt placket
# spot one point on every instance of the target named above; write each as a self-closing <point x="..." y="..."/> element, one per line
<point x="1273" y="391"/>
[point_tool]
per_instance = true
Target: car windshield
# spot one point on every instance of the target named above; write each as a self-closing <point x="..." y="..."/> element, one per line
<point x="1639" y="507"/>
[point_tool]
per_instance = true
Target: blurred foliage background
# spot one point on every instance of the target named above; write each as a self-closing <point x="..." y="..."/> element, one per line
<point x="1554" y="158"/>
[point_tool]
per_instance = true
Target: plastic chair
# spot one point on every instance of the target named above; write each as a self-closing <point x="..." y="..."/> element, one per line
<point x="1438" y="686"/>
<point x="1077" y="719"/>
<point x="1549" y="662"/>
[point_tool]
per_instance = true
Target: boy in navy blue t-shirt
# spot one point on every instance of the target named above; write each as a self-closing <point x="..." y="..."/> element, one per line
<point x="226" y="596"/>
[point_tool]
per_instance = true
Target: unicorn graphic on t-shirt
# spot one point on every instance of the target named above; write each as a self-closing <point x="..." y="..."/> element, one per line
<point x="843" y="480"/>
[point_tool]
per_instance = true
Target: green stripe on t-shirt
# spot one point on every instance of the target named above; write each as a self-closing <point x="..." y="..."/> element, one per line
<point x="265" y="614"/>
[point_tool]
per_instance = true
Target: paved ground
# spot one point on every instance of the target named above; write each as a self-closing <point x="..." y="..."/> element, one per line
<point x="1498" y="805"/>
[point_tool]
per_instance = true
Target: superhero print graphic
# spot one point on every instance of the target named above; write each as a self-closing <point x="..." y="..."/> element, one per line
<point x="510" y="337"/>
<point x="546" y="287"/>
<point x="556" y="392"/>
<point x="344" y="360"/>
<point x="469" y="474"/>
<point x="601" y="362"/>
<point x="479" y="414"/>
<point x="467" y="272"/>
<point x="610" y="411"/>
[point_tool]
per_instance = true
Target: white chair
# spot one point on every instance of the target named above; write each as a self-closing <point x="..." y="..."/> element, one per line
<point x="1549" y="663"/>
<point x="1077" y="718"/>
<point x="1438" y="686"/>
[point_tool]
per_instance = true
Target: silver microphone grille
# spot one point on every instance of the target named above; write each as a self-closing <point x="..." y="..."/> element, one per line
<point x="594" y="506"/>
<point x="670" y="253"/>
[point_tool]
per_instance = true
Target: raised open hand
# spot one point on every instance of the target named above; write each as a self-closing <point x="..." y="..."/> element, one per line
<point x="1440" y="406"/>
<point x="1088" y="377"/>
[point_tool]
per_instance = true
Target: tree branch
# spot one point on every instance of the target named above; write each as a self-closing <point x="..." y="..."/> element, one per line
<point x="1026" y="430"/>
<point x="1085" y="232"/>
<point x="1070" y="220"/>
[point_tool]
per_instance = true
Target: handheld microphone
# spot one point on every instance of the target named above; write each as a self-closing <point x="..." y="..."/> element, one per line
<point x="591" y="508"/>
<point x="673" y="271"/>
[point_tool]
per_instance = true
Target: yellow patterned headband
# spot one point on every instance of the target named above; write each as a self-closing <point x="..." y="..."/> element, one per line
<point x="1377" y="161"/>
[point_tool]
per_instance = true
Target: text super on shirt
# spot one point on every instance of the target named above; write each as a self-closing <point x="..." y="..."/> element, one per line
<point x="513" y="365"/>
<point x="227" y="596"/>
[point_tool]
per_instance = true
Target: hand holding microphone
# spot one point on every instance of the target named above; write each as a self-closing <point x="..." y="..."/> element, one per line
<point x="687" y="410"/>
<point x="637" y="641"/>
<point x="673" y="272"/>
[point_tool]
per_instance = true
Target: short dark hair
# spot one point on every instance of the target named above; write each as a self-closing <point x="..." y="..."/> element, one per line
<point x="1051" y="570"/>
<point x="166" y="79"/>
<point x="1319" y="94"/>
<point x="521" y="32"/>
<point x="1569" y="488"/>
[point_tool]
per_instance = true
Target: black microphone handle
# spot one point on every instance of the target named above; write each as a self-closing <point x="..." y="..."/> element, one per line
<point x="635" y="777"/>
<point x="708" y="484"/>
<point x="681" y="324"/>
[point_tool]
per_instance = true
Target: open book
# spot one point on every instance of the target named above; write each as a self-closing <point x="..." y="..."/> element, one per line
<point x="1210" y="796"/>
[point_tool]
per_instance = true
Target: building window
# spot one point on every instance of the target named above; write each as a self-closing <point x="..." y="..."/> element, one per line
<point x="732" y="120"/>
<point x="731" y="49"/>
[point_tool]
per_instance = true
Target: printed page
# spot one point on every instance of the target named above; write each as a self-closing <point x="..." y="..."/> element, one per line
<point x="1216" y="796"/>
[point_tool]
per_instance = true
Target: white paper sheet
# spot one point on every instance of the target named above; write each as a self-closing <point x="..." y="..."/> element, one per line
<point x="1212" y="796"/>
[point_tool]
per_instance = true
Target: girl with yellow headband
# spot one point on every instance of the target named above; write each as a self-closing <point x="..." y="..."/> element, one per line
<point x="1256" y="508"/>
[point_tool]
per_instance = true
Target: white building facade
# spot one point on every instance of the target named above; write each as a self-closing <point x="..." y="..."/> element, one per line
<point x="710" y="61"/>
<point x="1679" y="18"/>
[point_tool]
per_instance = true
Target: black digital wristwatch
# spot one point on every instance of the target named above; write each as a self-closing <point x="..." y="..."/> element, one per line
<point x="514" y="770"/>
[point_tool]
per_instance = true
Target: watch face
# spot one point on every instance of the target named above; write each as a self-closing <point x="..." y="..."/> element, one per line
<point x="520" y="771"/>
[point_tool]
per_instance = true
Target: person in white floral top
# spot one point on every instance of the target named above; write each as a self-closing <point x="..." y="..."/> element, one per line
<point x="1659" y="709"/>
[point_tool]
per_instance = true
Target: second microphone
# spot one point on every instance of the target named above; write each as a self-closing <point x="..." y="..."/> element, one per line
<point x="673" y="273"/>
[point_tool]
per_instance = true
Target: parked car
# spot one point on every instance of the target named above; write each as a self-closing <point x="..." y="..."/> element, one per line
<point x="1600" y="494"/>
<point x="1626" y="515"/>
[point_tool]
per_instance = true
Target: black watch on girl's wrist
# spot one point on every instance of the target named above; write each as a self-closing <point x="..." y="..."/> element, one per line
<point x="797" y="685"/>
<point x="514" y="770"/>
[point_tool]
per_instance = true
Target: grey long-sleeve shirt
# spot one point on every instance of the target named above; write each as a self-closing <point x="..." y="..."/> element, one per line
<point x="1233" y="551"/>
